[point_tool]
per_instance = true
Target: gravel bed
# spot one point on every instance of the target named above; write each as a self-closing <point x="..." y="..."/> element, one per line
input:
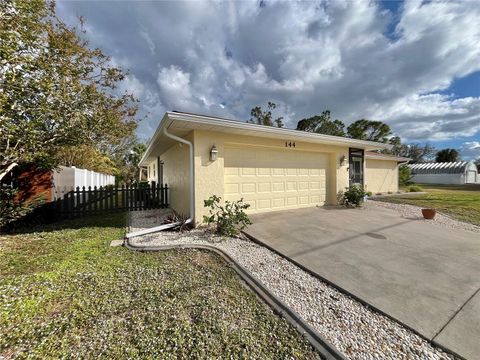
<point x="353" y="328"/>
<point x="415" y="213"/>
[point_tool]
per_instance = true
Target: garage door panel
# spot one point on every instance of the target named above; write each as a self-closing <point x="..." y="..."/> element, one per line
<point x="264" y="187"/>
<point x="231" y="189"/>
<point x="274" y="179"/>
<point x="264" y="172"/>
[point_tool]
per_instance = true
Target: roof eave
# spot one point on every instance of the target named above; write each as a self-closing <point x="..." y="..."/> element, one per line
<point x="234" y="124"/>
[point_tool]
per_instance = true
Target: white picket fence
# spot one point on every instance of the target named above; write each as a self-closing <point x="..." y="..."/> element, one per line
<point x="66" y="179"/>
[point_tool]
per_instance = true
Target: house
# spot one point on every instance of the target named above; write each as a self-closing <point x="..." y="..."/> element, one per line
<point x="460" y="172"/>
<point x="270" y="168"/>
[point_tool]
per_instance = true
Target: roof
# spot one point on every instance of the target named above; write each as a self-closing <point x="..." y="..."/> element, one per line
<point x="388" y="157"/>
<point x="182" y="123"/>
<point x="458" y="167"/>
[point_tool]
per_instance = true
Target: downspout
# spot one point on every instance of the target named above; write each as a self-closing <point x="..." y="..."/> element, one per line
<point x="192" y="197"/>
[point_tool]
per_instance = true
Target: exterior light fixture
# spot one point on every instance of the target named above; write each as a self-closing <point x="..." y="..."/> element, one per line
<point x="213" y="153"/>
<point x="342" y="160"/>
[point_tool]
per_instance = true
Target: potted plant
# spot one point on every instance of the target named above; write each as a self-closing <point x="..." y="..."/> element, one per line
<point x="429" y="214"/>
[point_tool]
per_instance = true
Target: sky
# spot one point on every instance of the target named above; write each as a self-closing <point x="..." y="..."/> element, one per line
<point x="414" y="65"/>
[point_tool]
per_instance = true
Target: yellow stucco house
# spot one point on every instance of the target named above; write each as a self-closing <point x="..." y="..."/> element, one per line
<point x="270" y="168"/>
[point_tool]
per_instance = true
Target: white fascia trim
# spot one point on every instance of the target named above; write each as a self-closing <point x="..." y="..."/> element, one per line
<point x="272" y="130"/>
<point x="390" y="158"/>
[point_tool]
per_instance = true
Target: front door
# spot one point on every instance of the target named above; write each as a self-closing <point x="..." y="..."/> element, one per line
<point x="356" y="167"/>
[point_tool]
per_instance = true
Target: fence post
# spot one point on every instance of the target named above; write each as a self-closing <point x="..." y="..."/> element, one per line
<point x="95" y="199"/>
<point x="127" y="197"/>
<point x="117" y="205"/>
<point x="166" y="196"/>
<point x="123" y="196"/>
<point x="84" y="200"/>
<point x="89" y="199"/>
<point x="100" y="193"/>
<point x="76" y="198"/>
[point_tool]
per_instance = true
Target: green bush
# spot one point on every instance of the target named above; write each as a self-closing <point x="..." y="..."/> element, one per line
<point x="353" y="196"/>
<point x="11" y="209"/>
<point x="404" y="175"/>
<point x="414" y="188"/>
<point x="230" y="219"/>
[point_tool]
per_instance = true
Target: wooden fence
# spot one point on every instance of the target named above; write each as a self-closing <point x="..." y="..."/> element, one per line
<point x="88" y="201"/>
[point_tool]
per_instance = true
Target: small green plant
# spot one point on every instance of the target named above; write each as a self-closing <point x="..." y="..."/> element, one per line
<point x="414" y="188"/>
<point x="353" y="196"/>
<point x="230" y="219"/>
<point x="369" y="193"/>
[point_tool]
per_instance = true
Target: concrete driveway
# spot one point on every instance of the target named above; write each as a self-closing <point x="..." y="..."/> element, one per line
<point x="424" y="275"/>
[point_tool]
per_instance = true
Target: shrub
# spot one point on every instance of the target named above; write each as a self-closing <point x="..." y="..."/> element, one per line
<point x="11" y="209"/>
<point x="404" y="175"/>
<point x="230" y="219"/>
<point x="369" y="193"/>
<point x="175" y="217"/>
<point x="414" y="188"/>
<point x="353" y="196"/>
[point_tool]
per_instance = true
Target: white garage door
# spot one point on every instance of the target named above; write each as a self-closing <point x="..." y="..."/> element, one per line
<point x="275" y="179"/>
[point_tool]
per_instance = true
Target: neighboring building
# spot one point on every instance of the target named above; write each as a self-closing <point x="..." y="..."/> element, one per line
<point x="47" y="185"/>
<point x="270" y="168"/>
<point x="460" y="172"/>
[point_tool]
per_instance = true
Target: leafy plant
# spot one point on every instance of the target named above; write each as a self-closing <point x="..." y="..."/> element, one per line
<point x="177" y="218"/>
<point x="414" y="188"/>
<point x="353" y="196"/>
<point x="404" y="176"/>
<point x="10" y="208"/>
<point x="229" y="219"/>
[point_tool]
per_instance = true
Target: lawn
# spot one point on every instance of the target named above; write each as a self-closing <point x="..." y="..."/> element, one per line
<point x="461" y="202"/>
<point x="65" y="293"/>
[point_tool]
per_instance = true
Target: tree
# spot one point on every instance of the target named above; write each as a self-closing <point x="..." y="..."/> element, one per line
<point x="128" y="163"/>
<point x="404" y="175"/>
<point x="416" y="152"/>
<point x="56" y="91"/>
<point x="86" y="157"/>
<point x="322" y="124"/>
<point x="447" y="155"/>
<point x="260" y="117"/>
<point x="370" y="130"/>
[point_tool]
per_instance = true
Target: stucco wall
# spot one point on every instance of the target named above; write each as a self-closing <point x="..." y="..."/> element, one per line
<point x="209" y="176"/>
<point x="381" y="176"/>
<point x="176" y="175"/>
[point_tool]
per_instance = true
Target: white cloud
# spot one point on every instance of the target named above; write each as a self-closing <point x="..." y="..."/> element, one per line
<point x="225" y="58"/>
<point x="470" y="150"/>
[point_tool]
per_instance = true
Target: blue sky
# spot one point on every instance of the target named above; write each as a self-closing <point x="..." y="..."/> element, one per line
<point x="414" y="65"/>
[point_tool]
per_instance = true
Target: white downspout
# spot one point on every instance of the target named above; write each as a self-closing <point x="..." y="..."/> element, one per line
<point x="192" y="194"/>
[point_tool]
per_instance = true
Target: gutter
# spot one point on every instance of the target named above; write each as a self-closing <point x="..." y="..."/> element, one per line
<point x="192" y="197"/>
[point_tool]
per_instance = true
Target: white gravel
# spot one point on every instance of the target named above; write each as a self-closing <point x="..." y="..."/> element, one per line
<point x="356" y="330"/>
<point x="415" y="213"/>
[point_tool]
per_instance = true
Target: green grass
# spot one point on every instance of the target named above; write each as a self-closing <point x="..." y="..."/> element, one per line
<point x="64" y="293"/>
<point x="461" y="202"/>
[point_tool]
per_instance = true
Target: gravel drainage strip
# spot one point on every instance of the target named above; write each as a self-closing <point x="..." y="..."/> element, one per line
<point x="356" y="330"/>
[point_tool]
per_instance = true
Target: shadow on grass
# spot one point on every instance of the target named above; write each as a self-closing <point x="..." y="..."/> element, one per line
<point x="32" y="224"/>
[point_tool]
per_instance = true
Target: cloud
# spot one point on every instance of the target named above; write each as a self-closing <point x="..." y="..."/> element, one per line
<point x="470" y="150"/>
<point x="223" y="58"/>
